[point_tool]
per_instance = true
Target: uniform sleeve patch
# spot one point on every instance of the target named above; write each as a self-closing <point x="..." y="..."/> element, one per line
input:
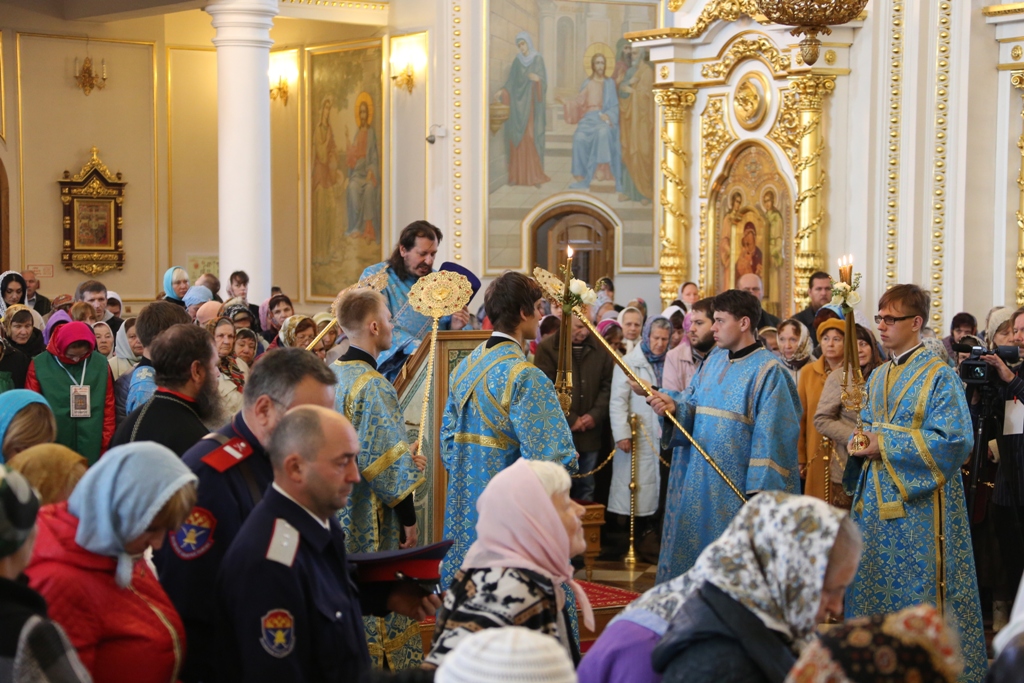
<point x="278" y="632"/>
<point x="195" y="537"/>
<point x="284" y="543"/>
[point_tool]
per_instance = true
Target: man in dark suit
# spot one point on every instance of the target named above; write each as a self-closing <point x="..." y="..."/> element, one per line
<point x="33" y="299"/>
<point x="752" y="284"/>
<point x="819" y="289"/>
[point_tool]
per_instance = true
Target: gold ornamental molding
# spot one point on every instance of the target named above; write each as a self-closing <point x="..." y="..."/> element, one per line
<point x="892" y="184"/>
<point x="714" y="10"/>
<point x="716" y="136"/>
<point x="1017" y="81"/>
<point x="456" y="101"/>
<point x="939" y="166"/>
<point x="675" y="104"/>
<point x="761" y="48"/>
<point x="702" y="278"/>
<point x="787" y="131"/>
<point x="338" y="4"/>
<point x="1003" y="10"/>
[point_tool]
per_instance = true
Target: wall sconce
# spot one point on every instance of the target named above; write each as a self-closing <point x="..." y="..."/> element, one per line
<point x="407" y="57"/>
<point x="87" y="79"/>
<point x="282" y="72"/>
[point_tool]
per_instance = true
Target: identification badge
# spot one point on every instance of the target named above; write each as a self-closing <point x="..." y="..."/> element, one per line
<point x="80" y="401"/>
<point x="1013" y="418"/>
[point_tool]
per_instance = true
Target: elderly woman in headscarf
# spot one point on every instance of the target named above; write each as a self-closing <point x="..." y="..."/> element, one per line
<point x="52" y="469"/>
<point x="20" y="329"/>
<point x="914" y="644"/>
<point x="297" y="331"/>
<point x="647" y="360"/>
<point x="127" y="349"/>
<point x="794" y="345"/>
<point x="747" y="607"/>
<point x="13" y="290"/>
<point x="631" y="319"/>
<point x="104" y="339"/>
<point x="516" y="572"/>
<point x="233" y="371"/>
<point x="25" y="421"/>
<point x="176" y="285"/>
<point x="611" y="330"/>
<point x="89" y="565"/>
<point x="195" y="297"/>
<point x="87" y="423"/>
<point x="57" y="319"/>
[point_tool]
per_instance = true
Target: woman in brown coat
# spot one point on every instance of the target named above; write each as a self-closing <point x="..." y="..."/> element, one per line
<point x="809" y="386"/>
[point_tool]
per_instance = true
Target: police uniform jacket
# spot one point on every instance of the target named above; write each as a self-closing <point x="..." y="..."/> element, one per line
<point x="234" y="472"/>
<point x="290" y="607"/>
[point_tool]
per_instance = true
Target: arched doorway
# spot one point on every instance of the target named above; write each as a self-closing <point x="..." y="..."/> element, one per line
<point x="590" y="234"/>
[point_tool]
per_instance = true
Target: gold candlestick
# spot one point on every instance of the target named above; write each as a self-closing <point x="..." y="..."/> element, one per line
<point x="854" y="396"/>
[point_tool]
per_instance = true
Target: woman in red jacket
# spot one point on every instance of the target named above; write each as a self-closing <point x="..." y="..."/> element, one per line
<point x="88" y="563"/>
<point x="75" y="379"/>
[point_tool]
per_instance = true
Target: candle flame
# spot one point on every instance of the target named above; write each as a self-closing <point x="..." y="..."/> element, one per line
<point x="568" y="251"/>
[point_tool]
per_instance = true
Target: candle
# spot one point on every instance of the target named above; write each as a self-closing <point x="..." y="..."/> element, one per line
<point x="103" y="64"/>
<point x="846" y="269"/>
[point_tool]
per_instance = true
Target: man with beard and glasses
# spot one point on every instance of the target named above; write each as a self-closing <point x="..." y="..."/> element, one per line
<point x="187" y="400"/>
<point x="412" y="258"/>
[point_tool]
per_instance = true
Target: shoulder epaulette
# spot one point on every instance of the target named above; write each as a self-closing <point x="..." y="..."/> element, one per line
<point x="230" y="453"/>
<point x="284" y="543"/>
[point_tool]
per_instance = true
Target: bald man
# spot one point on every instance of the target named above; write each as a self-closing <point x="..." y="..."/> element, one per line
<point x="752" y="284"/>
<point x="290" y="606"/>
<point x="33" y="299"/>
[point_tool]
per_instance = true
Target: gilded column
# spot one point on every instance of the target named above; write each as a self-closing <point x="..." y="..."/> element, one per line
<point x="811" y="90"/>
<point x="1017" y="80"/>
<point x="675" y="231"/>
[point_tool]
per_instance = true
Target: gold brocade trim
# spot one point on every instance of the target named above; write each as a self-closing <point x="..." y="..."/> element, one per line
<point x="480" y="440"/>
<point x="770" y="464"/>
<point x="404" y="494"/>
<point x="890" y="510"/>
<point x="385" y="461"/>
<point x="893" y="374"/>
<point x="506" y="395"/>
<point x="357" y="388"/>
<point x="882" y="450"/>
<point x="940" y="552"/>
<point x="922" y="446"/>
<point x="392" y="644"/>
<point x="472" y="366"/>
<point x="725" y="415"/>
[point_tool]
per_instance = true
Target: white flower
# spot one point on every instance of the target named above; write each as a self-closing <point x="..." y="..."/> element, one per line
<point x="577" y="287"/>
<point x="589" y="297"/>
<point x="852" y="299"/>
<point x="837" y="300"/>
<point x="841" y="286"/>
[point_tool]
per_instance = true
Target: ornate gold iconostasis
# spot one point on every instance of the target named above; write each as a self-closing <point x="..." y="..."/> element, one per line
<point x="744" y="134"/>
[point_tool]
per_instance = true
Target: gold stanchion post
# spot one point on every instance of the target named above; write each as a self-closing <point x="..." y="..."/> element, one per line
<point x="630" y="559"/>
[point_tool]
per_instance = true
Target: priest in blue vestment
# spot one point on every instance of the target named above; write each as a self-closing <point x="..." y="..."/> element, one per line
<point x="908" y="497"/>
<point x="412" y="258"/>
<point x="744" y="410"/>
<point x="381" y="511"/>
<point x="500" y="408"/>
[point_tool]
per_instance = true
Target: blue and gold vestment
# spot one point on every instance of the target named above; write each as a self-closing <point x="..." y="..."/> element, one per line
<point x="387" y="475"/>
<point x="500" y="408"/>
<point x="910" y="502"/>
<point x="745" y="413"/>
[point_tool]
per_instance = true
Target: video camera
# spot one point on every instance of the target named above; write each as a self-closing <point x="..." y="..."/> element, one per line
<point x="975" y="371"/>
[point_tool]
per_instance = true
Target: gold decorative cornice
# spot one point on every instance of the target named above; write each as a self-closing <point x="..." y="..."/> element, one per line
<point x="716" y="136"/>
<point x="760" y="48"/>
<point x="339" y="4"/>
<point x="1003" y="10"/>
<point x="714" y="10"/>
<point x="674" y="101"/>
<point x="95" y="163"/>
<point x="811" y="89"/>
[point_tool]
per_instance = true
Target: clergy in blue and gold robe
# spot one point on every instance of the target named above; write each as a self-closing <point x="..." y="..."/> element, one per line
<point x="910" y="502"/>
<point x="744" y="411"/>
<point x="382" y="502"/>
<point x="500" y="408"/>
<point x="411" y="327"/>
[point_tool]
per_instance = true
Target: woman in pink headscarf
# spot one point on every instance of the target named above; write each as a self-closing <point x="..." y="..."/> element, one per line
<point x="514" y="574"/>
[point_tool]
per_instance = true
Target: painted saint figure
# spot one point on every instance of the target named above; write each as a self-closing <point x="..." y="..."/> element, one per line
<point x="363" y="163"/>
<point x="595" y="144"/>
<point x="730" y="225"/>
<point x="524" y="92"/>
<point x="636" y="112"/>
<point x="773" y="219"/>
<point x="324" y="178"/>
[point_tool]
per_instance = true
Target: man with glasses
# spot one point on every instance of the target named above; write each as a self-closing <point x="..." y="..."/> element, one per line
<point x="909" y="497"/>
<point x="234" y="472"/>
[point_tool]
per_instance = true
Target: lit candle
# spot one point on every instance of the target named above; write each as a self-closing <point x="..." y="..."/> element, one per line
<point x="846" y="269"/>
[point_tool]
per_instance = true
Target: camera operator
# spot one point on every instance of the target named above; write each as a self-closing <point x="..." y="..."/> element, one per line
<point x="1008" y="497"/>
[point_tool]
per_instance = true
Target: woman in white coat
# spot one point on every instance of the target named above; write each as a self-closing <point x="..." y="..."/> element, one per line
<point x="647" y="359"/>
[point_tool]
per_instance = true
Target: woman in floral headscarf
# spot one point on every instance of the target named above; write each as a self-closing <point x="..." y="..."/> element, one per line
<point x="233" y="371"/>
<point x="746" y="608"/>
<point x="297" y="331"/>
<point x="794" y="345"/>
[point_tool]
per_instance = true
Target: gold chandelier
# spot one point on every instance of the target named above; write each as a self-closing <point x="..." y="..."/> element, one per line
<point x="811" y="17"/>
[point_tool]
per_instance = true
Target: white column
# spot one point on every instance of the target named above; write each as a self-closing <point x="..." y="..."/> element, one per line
<point x="243" y="138"/>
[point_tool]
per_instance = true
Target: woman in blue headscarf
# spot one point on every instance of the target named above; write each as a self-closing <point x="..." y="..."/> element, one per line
<point x="525" y="93"/>
<point x="88" y="562"/>
<point x="25" y="421"/>
<point x="647" y="359"/>
<point x="175" y="285"/>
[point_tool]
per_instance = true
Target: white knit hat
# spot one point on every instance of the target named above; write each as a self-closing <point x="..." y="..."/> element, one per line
<point x="511" y="654"/>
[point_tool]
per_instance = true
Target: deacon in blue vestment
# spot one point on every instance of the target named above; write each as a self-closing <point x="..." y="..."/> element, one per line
<point x="412" y="258"/>
<point x="381" y="508"/>
<point x="908" y="497"/>
<point x="744" y="410"/>
<point x="500" y="408"/>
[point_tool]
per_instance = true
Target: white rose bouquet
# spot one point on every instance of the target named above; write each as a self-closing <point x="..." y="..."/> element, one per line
<point x="844" y="294"/>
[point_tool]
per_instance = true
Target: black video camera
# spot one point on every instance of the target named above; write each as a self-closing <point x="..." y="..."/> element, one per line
<point x="975" y="371"/>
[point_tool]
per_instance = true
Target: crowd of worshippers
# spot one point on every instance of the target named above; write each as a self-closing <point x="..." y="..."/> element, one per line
<point x="182" y="490"/>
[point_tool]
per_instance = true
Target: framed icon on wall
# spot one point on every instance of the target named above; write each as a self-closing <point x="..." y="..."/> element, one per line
<point x="92" y="200"/>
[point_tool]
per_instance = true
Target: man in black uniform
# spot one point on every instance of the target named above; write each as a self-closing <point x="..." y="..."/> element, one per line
<point x="234" y="472"/>
<point x="290" y="608"/>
